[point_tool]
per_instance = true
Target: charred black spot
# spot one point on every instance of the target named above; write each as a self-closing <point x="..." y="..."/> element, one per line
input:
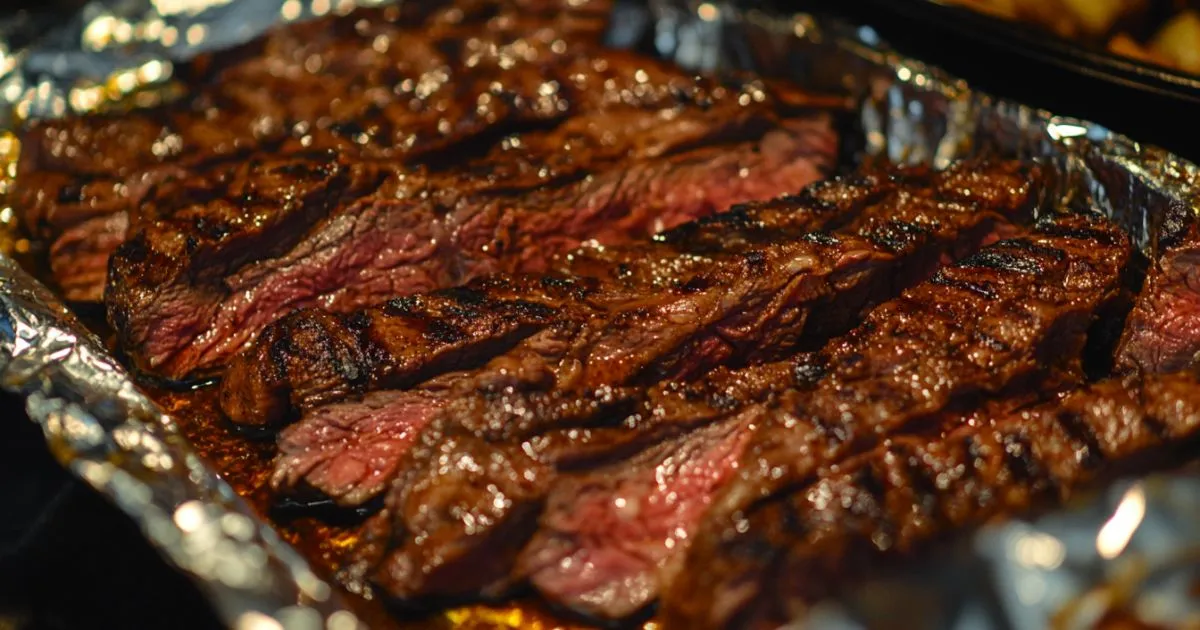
<point x="822" y="238"/>
<point x="870" y="482"/>
<point x="444" y="333"/>
<point x="1080" y="234"/>
<point x="532" y="310"/>
<point x="558" y="283"/>
<point x="994" y="258"/>
<point x="992" y="342"/>
<point x="756" y="260"/>
<point x="920" y="479"/>
<point x="402" y="305"/>
<point x="975" y="456"/>
<point x="70" y="193"/>
<point x="1026" y="245"/>
<point x="981" y="289"/>
<point x="211" y="229"/>
<point x="465" y="295"/>
<point x="358" y="320"/>
<point x="896" y="236"/>
<point x="347" y="129"/>
<point x="1018" y="458"/>
<point x="191" y="244"/>
<point x="1177" y="221"/>
<point x="135" y="249"/>
<point x="300" y="170"/>
<point x="1087" y="445"/>
<point x="695" y="284"/>
<point x="808" y="373"/>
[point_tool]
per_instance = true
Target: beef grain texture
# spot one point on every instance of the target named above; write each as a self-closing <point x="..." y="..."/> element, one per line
<point x="356" y="352"/>
<point x="1162" y="333"/>
<point x="998" y="322"/>
<point x="184" y="297"/>
<point x="312" y="357"/>
<point x="596" y="571"/>
<point x="436" y="533"/>
<point x="903" y="497"/>
<point x="340" y="82"/>
<point x="712" y="291"/>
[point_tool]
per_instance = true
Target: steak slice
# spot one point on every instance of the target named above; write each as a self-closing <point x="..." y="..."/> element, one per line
<point x="299" y="74"/>
<point x="1162" y="333"/>
<point x="441" y="517"/>
<point x="277" y="374"/>
<point x="177" y="318"/>
<point x="312" y="357"/>
<point x="997" y="322"/>
<point x="914" y="491"/>
<point x="611" y="538"/>
<point x="753" y="293"/>
<point x="415" y="102"/>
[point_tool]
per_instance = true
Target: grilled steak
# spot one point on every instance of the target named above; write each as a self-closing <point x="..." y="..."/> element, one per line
<point x="277" y="375"/>
<point x="256" y="93"/>
<point x="313" y="357"/>
<point x="997" y="322"/>
<point x="910" y="493"/>
<point x="432" y="542"/>
<point x="680" y="305"/>
<point x="352" y="91"/>
<point x="179" y="314"/>
<point x="599" y="574"/>
<point x="1162" y="333"/>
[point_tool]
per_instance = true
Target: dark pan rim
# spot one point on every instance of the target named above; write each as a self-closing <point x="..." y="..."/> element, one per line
<point x="1028" y="41"/>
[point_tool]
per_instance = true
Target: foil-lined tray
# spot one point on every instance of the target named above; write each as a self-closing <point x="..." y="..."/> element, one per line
<point x="1128" y="549"/>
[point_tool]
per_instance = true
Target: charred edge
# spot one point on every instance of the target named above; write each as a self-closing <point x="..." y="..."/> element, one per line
<point x="923" y="485"/>
<point x="997" y="259"/>
<point x="1079" y="234"/>
<point x="897" y="236"/>
<point x="1023" y="467"/>
<point x="983" y="290"/>
<point x="477" y="146"/>
<point x="1088" y="448"/>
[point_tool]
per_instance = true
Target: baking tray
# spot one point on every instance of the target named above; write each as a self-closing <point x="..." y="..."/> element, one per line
<point x="1025" y="573"/>
<point x="1023" y="62"/>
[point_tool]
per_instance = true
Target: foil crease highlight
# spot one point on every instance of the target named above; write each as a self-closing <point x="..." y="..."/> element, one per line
<point x="123" y="54"/>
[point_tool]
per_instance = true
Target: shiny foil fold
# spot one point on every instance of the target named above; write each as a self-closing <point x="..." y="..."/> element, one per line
<point x="1130" y="548"/>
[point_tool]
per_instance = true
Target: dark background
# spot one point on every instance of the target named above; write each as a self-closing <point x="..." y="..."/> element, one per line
<point x="70" y="560"/>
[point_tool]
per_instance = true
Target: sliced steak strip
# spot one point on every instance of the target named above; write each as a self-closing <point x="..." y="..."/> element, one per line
<point x="755" y="293"/>
<point x="1162" y="333"/>
<point x="277" y="374"/>
<point x="997" y="322"/>
<point x="757" y="299"/>
<point x="913" y="492"/>
<point x="313" y="357"/>
<point x="432" y="98"/>
<point x="299" y="74"/>
<point x="523" y="433"/>
<point x="175" y="318"/>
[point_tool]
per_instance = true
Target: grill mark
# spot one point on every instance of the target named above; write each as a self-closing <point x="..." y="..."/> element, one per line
<point x="978" y="288"/>
<point x="923" y="486"/>
<point x="1077" y="233"/>
<point x="1035" y="249"/>
<point x="1088" y="450"/>
<point x="996" y="258"/>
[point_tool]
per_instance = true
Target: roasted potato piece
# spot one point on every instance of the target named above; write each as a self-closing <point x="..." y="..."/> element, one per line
<point x="1179" y="41"/>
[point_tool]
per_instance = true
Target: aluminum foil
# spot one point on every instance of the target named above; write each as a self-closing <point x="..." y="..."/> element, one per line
<point x="1131" y="547"/>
